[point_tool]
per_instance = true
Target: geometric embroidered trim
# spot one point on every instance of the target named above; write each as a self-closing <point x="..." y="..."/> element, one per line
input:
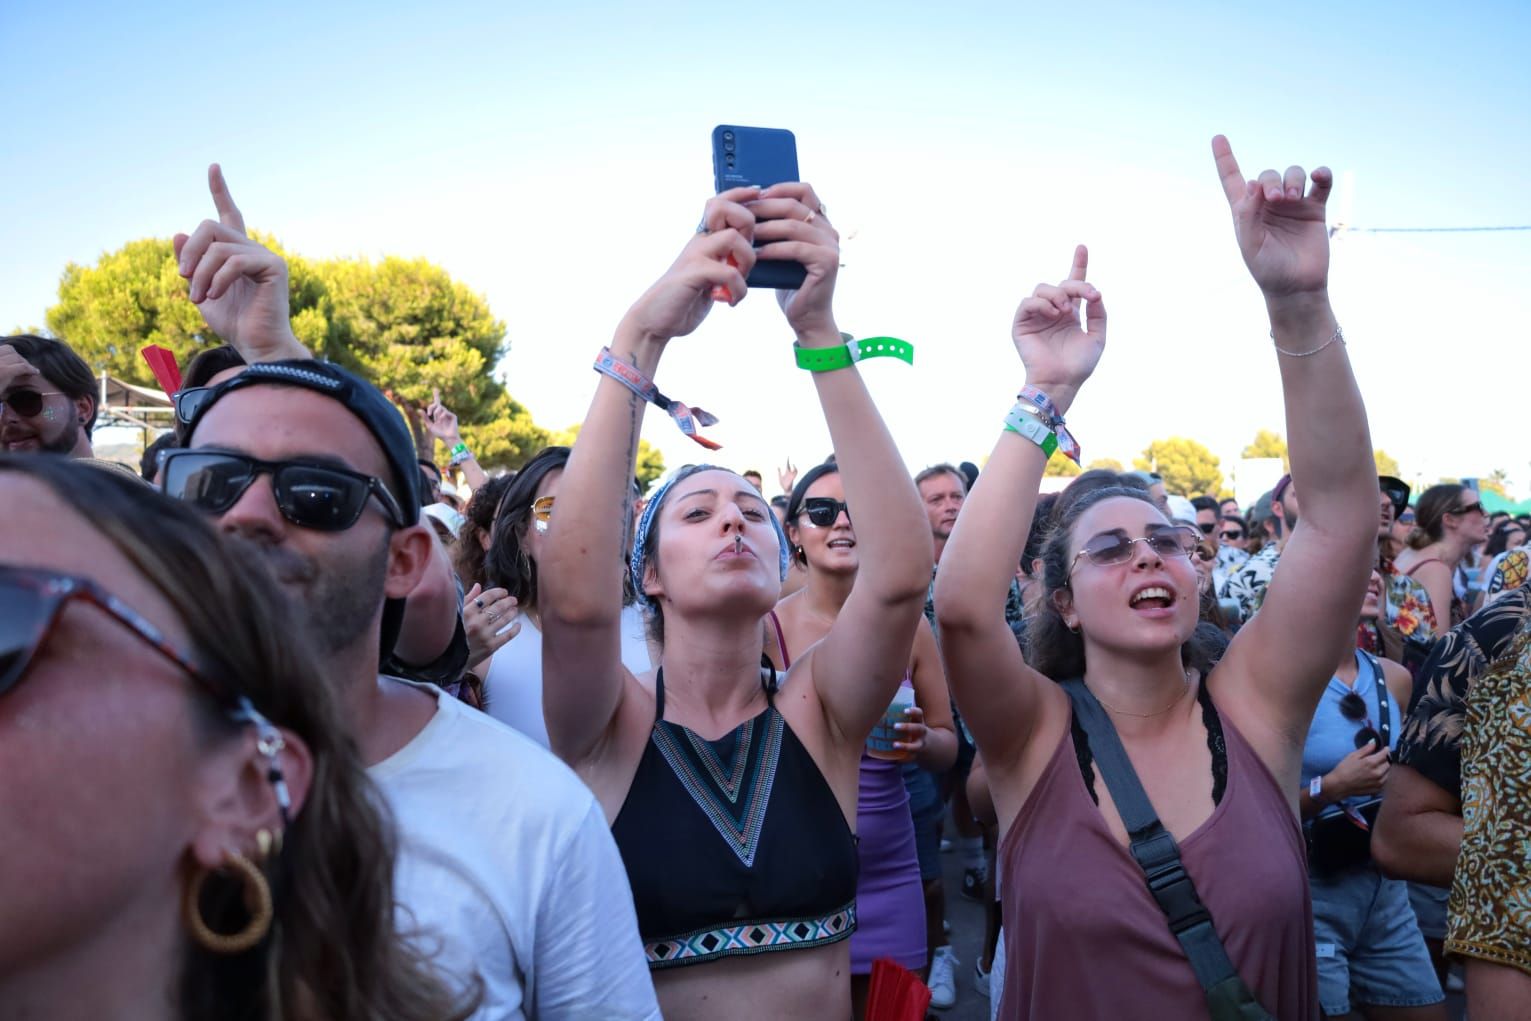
<point x="734" y="798"/>
<point x="755" y="937"/>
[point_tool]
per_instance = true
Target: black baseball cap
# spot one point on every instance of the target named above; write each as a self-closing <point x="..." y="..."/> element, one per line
<point x="1396" y="489"/>
<point x="375" y="411"/>
<point x="358" y="396"/>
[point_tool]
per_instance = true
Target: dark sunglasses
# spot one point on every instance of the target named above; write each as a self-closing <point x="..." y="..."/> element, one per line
<point x="1115" y="548"/>
<point x="1232" y="536"/>
<point x="189" y="401"/>
<point x="320" y="497"/>
<point x="31" y="602"/>
<point x="1206" y="526"/>
<point x="27" y="403"/>
<point x="1476" y="507"/>
<point x="823" y="512"/>
<point x="1353" y="708"/>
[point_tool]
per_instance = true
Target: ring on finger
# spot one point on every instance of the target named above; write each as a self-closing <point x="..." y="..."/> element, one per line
<point x="812" y="215"/>
<point x="479" y="603"/>
<point x="492" y="615"/>
<point x="702" y="228"/>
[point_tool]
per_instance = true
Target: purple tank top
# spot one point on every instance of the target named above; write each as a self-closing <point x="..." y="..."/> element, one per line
<point x="1085" y="939"/>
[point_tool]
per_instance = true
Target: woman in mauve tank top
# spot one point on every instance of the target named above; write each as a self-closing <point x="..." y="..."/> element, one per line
<point x="1219" y="756"/>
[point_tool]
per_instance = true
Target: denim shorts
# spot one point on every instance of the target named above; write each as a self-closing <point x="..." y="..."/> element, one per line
<point x="1430" y="908"/>
<point x="926" y="807"/>
<point x="1369" y="947"/>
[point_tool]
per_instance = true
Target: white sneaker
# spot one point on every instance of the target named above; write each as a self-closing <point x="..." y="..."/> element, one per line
<point x="981" y="979"/>
<point x="943" y="978"/>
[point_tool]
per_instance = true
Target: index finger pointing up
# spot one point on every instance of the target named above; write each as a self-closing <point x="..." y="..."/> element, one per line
<point x="1081" y="263"/>
<point x="228" y="212"/>
<point x="1228" y="169"/>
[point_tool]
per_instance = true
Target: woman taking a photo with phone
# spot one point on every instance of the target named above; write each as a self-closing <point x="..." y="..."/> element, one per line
<point x="739" y="911"/>
<point x="1218" y="757"/>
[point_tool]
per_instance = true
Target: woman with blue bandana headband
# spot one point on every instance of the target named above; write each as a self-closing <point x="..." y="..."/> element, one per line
<point x="731" y="790"/>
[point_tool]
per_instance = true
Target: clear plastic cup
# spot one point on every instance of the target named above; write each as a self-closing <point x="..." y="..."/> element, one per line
<point x="880" y="742"/>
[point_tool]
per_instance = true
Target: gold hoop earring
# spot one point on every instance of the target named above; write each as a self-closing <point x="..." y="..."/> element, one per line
<point x="257" y="900"/>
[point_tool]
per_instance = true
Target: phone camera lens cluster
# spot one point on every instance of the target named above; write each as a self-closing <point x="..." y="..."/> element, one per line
<point x="728" y="136"/>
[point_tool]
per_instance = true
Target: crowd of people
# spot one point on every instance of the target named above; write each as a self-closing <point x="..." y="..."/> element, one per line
<point x="298" y="724"/>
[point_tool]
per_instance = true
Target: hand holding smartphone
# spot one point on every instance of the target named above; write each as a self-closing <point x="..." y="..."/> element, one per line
<point x="743" y="156"/>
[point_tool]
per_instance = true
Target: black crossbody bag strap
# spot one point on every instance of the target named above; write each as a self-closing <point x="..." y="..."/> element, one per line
<point x="1157" y="854"/>
<point x="1384" y="702"/>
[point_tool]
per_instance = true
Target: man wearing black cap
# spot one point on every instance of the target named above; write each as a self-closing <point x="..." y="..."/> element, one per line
<point x="506" y="861"/>
<point x="1248" y="583"/>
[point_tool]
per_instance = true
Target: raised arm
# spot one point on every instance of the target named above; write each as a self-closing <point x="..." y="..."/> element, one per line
<point x="995" y="689"/>
<point x="579" y="587"/>
<point x="238" y="284"/>
<point x="1277" y="666"/>
<point x="441" y="421"/>
<point x="857" y="666"/>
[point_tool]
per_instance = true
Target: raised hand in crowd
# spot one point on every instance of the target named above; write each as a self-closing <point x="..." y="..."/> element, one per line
<point x="441" y="422"/>
<point x="238" y="284"/>
<point x="490" y="616"/>
<point x="787" y="477"/>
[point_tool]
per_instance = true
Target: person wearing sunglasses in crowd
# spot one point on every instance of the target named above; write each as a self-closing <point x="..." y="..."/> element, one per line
<point x="1450" y="522"/>
<point x="186" y="828"/>
<point x="1371" y="955"/>
<point x="516" y="880"/>
<point x="1505" y="558"/>
<point x="513" y="566"/>
<point x="1457" y="813"/>
<point x="890" y="899"/>
<point x="48" y="397"/>
<point x="713" y="770"/>
<point x="1219" y="756"/>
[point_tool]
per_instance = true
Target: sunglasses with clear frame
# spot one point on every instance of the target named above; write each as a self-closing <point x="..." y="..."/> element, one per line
<point x="1112" y="548"/>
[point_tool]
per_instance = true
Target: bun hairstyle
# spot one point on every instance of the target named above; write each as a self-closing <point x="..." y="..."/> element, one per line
<point x="795" y="503"/>
<point x="1052" y="648"/>
<point x="1430" y="513"/>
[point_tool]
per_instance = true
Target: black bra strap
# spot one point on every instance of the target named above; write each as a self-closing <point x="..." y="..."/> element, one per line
<point x="659" y="696"/>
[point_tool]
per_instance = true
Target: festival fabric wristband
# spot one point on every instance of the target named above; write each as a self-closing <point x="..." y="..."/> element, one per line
<point x="1021" y="421"/>
<point x="827" y="359"/>
<point x="1050" y="415"/>
<point x="687" y="419"/>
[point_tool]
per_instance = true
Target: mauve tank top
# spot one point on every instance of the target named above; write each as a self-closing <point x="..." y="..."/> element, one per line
<point x="1085" y="939"/>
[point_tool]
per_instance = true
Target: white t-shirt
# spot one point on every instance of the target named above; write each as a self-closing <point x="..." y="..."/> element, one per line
<point x="507" y="867"/>
<point x="514" y="681"/>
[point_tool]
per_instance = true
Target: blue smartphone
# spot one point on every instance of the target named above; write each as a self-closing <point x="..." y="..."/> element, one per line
<point x="762" y="157"/>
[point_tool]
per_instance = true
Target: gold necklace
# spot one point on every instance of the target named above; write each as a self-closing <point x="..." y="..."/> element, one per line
<point x="1144" y="716"/>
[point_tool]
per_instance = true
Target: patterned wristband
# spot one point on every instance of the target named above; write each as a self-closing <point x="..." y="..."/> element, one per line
<point x="827" y="359"/>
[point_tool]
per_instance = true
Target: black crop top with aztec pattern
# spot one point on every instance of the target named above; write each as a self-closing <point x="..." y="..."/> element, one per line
<point x="735" y="846"/>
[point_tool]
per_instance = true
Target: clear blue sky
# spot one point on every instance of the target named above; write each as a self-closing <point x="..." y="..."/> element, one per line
<point x="555" y="158"/>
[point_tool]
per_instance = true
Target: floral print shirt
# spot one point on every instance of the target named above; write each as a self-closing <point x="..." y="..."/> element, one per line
<point x="1248" y="583"/>
<point x="1432" y="735"/>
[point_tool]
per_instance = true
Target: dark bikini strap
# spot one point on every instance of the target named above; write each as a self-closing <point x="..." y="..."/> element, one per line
<point x="781" y="642"/>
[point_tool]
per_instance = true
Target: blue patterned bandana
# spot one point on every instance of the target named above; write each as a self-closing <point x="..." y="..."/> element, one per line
<point x="636" y="563"/>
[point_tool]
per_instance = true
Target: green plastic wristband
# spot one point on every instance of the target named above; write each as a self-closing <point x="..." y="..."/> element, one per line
<point x="1025" y="425"/>
<point x="842" y="356"/>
